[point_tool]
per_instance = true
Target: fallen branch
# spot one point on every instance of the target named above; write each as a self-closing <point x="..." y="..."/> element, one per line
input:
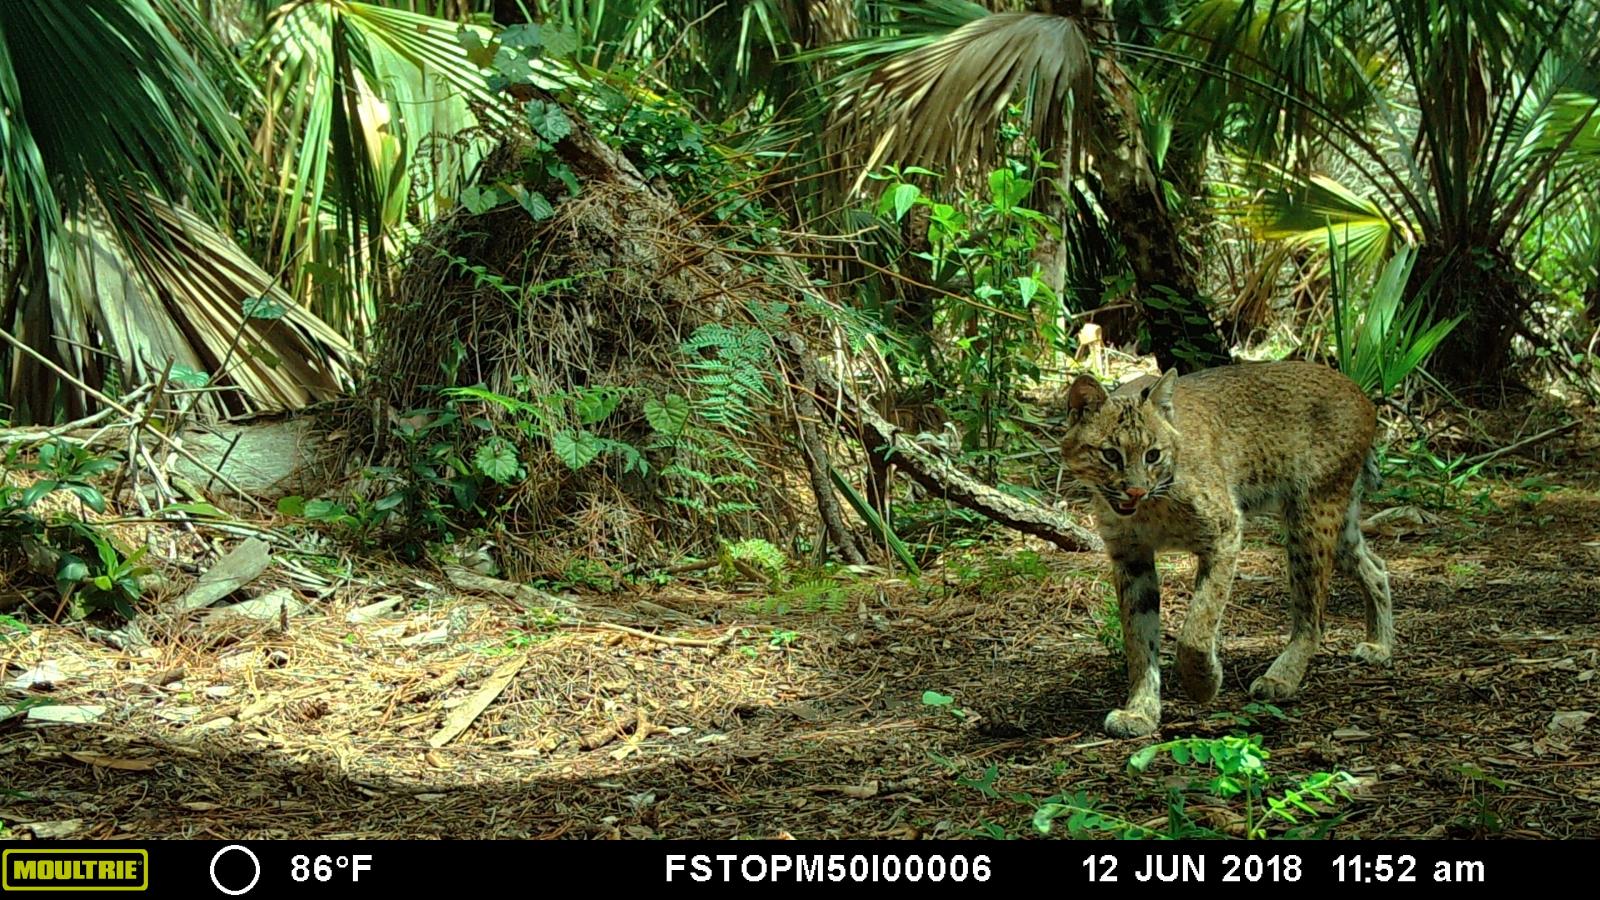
<point x="1492" y="455"/>
<point x="158" y="433"/>
<point x="662" y="638"/>
<point x="65" y="431"/>
<point x="818" y="463"/>
<point x="464" y="715"/>
<point x="941" y="477"/>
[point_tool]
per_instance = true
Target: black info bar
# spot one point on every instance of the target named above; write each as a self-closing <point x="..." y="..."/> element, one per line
<point x="359" y="868"/>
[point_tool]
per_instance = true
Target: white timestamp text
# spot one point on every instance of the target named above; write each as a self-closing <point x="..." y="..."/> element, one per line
<point x="817" y="868"/>
<point x="1177" y="867"/>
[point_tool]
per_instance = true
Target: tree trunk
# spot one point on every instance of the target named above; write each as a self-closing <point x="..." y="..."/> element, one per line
<point x="1177" y="323"/>
<point x="1488" y="291"/>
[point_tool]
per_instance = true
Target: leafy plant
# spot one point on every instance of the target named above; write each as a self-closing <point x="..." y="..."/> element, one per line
<point x="1108" y="625"/>
<point x="754" y="556"/>
<point x="11" y="628"/>
<point x="1005" y="316"/>
<point x="109" y="581"/>
<point x="1390" y="338"/>
<point x="1237" y="768"/>
<point x="66" y="467"/>
<point x="1415" y="474"/>
<point x="1484" y="820"/>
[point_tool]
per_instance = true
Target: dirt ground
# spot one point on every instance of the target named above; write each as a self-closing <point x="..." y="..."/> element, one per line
<point x="755" y="720"/>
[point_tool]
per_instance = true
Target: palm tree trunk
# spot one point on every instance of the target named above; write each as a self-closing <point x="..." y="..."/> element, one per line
<point x="1177" y="323"/>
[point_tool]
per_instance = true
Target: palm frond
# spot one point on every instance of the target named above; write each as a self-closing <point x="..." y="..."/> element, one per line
<point x="368" y="119"/>
<point x="1318" y="212"/>
<point x="940" y="105"/>
<point x="99" y="94"/>
<point x="188" y="294"/>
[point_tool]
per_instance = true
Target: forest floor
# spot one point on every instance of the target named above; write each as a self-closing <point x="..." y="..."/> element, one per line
<point x="812" y="719"/>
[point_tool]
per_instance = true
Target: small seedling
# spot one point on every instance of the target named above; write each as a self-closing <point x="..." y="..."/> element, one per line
<point x="944" y="701"/>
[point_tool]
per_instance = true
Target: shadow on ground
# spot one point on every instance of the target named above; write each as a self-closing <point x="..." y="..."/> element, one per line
<point x="814" y="722"/>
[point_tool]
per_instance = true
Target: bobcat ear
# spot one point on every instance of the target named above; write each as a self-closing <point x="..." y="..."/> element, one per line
<point x="1160" y="393"/>
<point x="1086" y="396"/>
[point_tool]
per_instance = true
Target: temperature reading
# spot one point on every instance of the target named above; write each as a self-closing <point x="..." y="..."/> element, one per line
<point x="322" y="867"/>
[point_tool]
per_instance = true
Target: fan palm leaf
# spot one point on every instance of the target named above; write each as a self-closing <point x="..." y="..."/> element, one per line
<point x="184" y="294"/>
<point x="1316" y="211"/>
<point x="940" y="104"/>
<point x="368" y="116"/>
<point x="109" y="126"/>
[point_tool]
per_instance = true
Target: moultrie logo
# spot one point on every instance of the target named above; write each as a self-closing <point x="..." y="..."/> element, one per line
<point x="65" y="869"/>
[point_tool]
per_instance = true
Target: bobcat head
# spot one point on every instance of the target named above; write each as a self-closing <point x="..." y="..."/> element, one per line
<point x="1123" y="446"/>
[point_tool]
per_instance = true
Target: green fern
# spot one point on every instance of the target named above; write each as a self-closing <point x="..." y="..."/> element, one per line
<point x="756" y="554"/>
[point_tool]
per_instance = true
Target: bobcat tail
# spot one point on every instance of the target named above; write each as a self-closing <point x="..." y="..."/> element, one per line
<point x="1371" y="477"/>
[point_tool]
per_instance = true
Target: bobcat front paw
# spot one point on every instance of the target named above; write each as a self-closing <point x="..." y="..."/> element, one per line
<point x="1271" y="687"/>
<point x="1127" y="723"/>
<point x="1200" y="672"/>
<point x="1373" y="654"/>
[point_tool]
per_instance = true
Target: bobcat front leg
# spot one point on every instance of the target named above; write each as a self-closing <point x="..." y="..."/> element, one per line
<point x="1138" y="585"/>
<point x="1198" y="666"/>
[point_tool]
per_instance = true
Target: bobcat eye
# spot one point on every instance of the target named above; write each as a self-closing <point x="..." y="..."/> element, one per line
<point x="1152" y="456"/>
<point x="1112" y="455"/>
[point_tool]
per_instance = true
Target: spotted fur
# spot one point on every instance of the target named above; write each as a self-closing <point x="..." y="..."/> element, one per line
<point x="1180" y="463"/>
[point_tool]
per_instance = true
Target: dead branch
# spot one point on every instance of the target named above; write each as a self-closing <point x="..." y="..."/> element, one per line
<point x="1527" y="441"/>
<point x="818" y="464"/>
<point x="157" y="433"/>
<point x="858" y="421"/>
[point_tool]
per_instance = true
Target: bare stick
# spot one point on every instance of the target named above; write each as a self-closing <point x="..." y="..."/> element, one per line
<point x="662" y="638"/>
<point x="942" y="478"/>
<point x="1481" y="458"/>
<point x="161" y="436"/>
<point x="40" y="435"/>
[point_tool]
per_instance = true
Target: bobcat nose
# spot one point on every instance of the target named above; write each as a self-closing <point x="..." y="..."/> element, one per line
<point x="1135" y="493"/>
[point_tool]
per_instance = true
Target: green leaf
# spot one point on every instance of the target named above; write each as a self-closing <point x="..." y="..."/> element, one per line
<point x="934" y="698"/>
<point x="669" y="415"/>
<point x="560" y="41"/>
<point x="205" y="509"/>
<point x="904" y="197"/>
<point x="479" y="200"/>
<point x="90" y="497"/>
<point x="1180" y="753"/>
<point x="548" y="121"/>
<point x="1027" y="285"/>
<point x="70" y="570"/>
<point x="594" y="405"/>
<point x="187" y="377"/>
<point x="478" y="52"/>
<point x="1319" y="212"/>
<point x="576" y="449"/>
<point x="264" y="308"/>
<point x="324" y="510"/>
<point x="292" y="506"/>
<point x="37" y="491"/>
<point x="497" y="459"/>
<point x="522" y="37"/>
<point x="880" y="528"/>
<point x="1141" y="761"/>
<point x="535" y="203"/>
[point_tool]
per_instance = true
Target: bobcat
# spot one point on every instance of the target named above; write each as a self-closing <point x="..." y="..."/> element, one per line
<point x="1179" y="463"/>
